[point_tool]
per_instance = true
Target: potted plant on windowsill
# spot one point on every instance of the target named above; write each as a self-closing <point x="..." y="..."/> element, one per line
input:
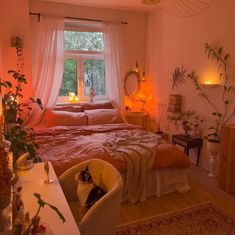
<point x="222" y="116"/>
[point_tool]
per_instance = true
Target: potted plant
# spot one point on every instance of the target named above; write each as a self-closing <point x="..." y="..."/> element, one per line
<point x="221" y="116"/>
<point x="190" y="122"/>
<point x="15" y="111"/>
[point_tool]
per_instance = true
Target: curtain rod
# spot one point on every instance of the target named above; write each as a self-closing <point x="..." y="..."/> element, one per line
<point x="73" y="18"/>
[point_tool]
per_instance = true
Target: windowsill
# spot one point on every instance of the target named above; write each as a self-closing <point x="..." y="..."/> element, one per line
<point x="64" y="100"/>
<point x="80" y="102"/>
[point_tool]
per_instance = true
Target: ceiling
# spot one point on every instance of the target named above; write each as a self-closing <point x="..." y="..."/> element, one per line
<point x="134" y="5"/>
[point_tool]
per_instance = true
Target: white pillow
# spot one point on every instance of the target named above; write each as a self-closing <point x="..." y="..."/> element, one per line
<point x="103" y="116"/>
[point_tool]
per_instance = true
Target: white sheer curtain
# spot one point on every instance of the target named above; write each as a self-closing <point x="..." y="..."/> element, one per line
<point x="113" y="41"/>
<point x="48" y="61"/>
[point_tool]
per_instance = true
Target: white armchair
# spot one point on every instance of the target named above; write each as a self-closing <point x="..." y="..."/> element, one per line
<point x="101" y="218"/>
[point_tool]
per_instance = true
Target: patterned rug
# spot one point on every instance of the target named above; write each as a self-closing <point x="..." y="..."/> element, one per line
<point x="203" y="219"/>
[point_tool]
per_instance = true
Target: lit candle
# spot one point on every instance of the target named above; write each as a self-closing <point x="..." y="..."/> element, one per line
<point x="71" y="96"/>
<point x="208" y="82"/>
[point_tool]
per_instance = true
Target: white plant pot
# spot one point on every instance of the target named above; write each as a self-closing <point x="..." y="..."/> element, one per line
<point x="214" y="149"/>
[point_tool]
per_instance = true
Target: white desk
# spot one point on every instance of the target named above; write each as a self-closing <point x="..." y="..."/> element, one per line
<point x="33" y="182"/>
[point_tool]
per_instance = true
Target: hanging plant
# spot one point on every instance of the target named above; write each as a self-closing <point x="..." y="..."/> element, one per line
<point x="21" y="136"/>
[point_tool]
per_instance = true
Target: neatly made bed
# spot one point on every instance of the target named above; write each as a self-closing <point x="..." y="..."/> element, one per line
<point x="67" y="138"/>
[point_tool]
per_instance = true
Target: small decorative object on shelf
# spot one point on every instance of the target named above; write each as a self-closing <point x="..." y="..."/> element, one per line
<point x="91" y="93"/>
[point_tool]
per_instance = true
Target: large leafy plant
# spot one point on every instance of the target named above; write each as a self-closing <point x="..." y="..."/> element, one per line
<point x="224" y="115"/>
<point x="15" y="112"/>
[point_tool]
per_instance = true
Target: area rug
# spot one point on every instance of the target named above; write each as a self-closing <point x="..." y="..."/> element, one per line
<point x="203" y="219"/>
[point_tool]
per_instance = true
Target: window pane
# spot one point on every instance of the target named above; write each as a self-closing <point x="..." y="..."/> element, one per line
<point x="83" y="41"/>
<point x="94" y="76"/>
<point x="69" y="83"/>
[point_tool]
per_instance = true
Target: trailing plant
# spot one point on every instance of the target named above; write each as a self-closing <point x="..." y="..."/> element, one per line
<point x="21" y="136"/>
<point x="178" y="77"/>
<point x="221" y="116"/>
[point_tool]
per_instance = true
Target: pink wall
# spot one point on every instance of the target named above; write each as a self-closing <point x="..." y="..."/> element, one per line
<point x="134" y="31"/>
<point x="14" y="21"/>
<point x="175" y="41"/>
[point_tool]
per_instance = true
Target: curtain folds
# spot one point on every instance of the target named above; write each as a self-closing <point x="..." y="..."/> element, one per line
<point x="113" y="52"/>
<point x="48" y="62"/>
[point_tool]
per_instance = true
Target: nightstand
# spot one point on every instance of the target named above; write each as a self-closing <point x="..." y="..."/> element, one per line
<point x="187" y="142"/>
<point x="137" y="118"/>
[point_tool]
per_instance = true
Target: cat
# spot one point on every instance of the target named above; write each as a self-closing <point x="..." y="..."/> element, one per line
<point x="87" y="191"/>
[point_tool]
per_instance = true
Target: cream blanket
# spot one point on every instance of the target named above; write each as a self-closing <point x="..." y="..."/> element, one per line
<point x="138" y="150"/>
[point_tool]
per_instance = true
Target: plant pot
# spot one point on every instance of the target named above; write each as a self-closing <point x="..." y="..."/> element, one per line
<point x="214" y="149"/>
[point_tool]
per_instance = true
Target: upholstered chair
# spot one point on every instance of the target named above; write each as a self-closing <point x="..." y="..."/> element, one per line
<point x="101" y="218"/>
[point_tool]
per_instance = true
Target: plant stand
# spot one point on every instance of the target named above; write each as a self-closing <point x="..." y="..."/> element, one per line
<point x="214" y="150"/>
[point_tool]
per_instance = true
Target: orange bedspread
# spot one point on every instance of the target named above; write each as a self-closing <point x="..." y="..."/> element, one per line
<point x="66" y="146"/>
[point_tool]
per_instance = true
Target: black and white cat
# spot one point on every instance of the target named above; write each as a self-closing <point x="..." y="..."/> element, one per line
<point x="87" y="191"/>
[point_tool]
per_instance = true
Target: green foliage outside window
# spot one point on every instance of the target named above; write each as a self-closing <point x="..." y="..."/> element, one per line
<point x="94" y="76"/>
<point x="69" y="83"/>
<point x="82" y="44"/>
<point x="83" y="41"/>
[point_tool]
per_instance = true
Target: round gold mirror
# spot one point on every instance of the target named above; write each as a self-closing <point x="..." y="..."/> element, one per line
<point x="132" y="83"/>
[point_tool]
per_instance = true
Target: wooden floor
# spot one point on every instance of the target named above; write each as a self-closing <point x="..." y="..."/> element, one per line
<point x="203" y="188"/>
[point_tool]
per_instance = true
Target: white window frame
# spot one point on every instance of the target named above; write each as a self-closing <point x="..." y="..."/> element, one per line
<point x="80" y="56"/>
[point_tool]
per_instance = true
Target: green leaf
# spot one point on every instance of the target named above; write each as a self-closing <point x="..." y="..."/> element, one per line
<point x="57" y="211"/>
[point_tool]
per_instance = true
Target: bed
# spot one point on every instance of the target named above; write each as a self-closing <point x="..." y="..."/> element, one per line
<point x="71" y="134"/>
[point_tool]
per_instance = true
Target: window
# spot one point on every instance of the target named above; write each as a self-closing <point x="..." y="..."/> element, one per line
<point x="84" y="61"/>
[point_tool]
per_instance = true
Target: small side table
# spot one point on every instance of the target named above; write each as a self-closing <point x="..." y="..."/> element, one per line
<point x="187" y="142"/>
<point x="137" y="118"/>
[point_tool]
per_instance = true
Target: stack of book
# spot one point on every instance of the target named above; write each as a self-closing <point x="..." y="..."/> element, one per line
<point x="174" y="103"/>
